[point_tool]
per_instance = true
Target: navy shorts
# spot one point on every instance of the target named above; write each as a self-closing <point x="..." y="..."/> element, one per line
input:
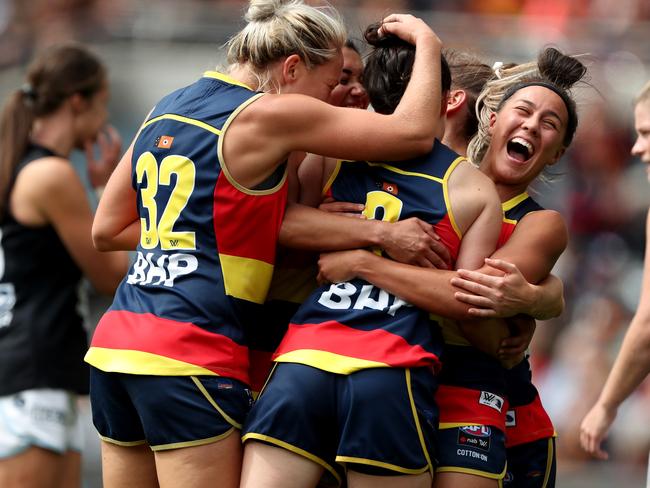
<point x="166" y="412"/>
<point x="381" y="420"/>
<point x="531" y="465"/>
<point x="474" y="449"/>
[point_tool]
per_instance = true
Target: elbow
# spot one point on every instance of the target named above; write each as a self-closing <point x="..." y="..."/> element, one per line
<point x="423" y="143"/>
<point x="102" y="240"/>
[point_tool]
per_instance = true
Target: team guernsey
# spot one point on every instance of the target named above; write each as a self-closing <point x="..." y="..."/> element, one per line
<point x="476" y="392"/>
<point x="351" y="326"/>
<point x="201" y="268"/>
<point x="526" y="420"/>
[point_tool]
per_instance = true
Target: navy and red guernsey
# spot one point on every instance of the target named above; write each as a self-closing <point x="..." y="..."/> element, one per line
<point x="207" y="248"/>
<point x="346" y="327"/>
<point x="526" y="419"/>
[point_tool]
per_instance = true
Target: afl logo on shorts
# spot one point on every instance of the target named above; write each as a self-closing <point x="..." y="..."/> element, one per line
<point x="476" y="430"/>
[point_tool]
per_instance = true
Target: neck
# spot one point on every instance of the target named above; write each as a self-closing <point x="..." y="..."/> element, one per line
<point x="457" y="144"/>
<point x="55" y="132"/>
<point x="505" y="190"/>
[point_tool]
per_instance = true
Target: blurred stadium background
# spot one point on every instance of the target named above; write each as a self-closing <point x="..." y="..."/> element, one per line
<point x="154" y="46"/>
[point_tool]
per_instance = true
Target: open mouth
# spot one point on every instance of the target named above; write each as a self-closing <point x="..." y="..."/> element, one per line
<point x="520" y="149"/>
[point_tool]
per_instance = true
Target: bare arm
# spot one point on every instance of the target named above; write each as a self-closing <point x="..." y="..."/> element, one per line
<point x="411" y="240"/>
<point x="116" y="225"/>
<point x="53" y="189"/>
<point x="509" y="294"/>
<point x="431" y="289"/>
<point x="534" y="247"/>
<point x="630" y="368"/>
<point x="261" y="136"/>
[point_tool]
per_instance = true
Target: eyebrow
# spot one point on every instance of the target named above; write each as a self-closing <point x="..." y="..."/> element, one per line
<point x="546" y="112"/>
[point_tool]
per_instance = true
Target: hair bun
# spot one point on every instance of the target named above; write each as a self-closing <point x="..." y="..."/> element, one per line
<point x="372" y="37"/>
<point x="263" y="10"/>
<point x="560" y="69"/>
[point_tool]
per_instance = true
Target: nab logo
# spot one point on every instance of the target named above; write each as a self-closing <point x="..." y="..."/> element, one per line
<point x="477" y="430"/>
<point x="164" y="142"/>
<point x="491" y="400"/>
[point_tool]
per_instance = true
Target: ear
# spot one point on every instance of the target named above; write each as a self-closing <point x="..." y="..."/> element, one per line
<point x="493" y="121"/>
<point x="291" y="68"/>
<point x="455" y="101"/>
<point x="78" y="103"/>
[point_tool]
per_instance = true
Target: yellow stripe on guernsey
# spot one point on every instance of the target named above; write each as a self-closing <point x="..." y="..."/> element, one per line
<point x="242" y="277"/>
<point x="444" y="181"/>
<point x="121" y="360"/>
<point x="185" y="120"/>
<point x="513" y="202"/>
<point x="328" y="361"/>
<point x="445" y="189"/>
<point x="228" y="79"/>
<point x="330" y="180"/>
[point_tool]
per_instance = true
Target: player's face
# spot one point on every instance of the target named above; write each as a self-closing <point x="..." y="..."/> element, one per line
<point x="641" y="147"/>
<point x="349" y="92"/>
<point x="527" y="134"/>
<point x="93" y="117"/>
<point x="319" y="81"/>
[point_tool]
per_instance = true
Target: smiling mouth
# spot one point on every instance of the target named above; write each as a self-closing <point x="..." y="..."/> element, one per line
<point x="520" y="149"/>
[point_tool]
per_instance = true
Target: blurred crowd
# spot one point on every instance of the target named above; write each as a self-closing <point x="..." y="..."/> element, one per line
<point x="601" y="191"/>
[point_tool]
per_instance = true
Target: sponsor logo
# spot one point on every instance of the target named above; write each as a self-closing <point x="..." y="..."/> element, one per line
<point x="164" y="270"/>
<point x="476" y="436"/>
<point x="164" y="142"/>
<point x="344" y="296"/>
<point x="472" y="454"/>
<point x="491" y="400"/>
<point x="511" y="418"/>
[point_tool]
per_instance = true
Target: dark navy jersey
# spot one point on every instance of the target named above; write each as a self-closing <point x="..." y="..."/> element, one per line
<point x="514" y="210"/>
<point x="345" y="327"/>
<point x="207" y="247"/>
<point x="42" y="339"/>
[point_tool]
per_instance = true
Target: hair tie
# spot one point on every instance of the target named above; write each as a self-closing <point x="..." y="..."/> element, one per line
<point x="28" y="91"/>
<point x="496" y="67"/>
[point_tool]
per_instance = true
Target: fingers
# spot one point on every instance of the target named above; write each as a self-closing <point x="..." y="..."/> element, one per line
<point x="471" y="286"/>
<point x="345" y="208"/>
<point x="483" y="313"/>
<point x="476" y="300"/>
<point x="442" y="252"/>
<point x="592" y="444"/>
<point x="478" y="277"/>
<point x="502" y="265"/>
<point x="114" y="135"/>
<point x="89" y="150"/>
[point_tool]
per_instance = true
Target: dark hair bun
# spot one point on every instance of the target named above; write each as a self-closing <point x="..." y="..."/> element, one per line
<point x="560" y="69"/>
<point x="373" y="38"/>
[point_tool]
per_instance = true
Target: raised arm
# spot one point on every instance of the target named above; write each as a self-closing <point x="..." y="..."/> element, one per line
<point x="261" y="136"/>
<point x="630" y="368"/>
